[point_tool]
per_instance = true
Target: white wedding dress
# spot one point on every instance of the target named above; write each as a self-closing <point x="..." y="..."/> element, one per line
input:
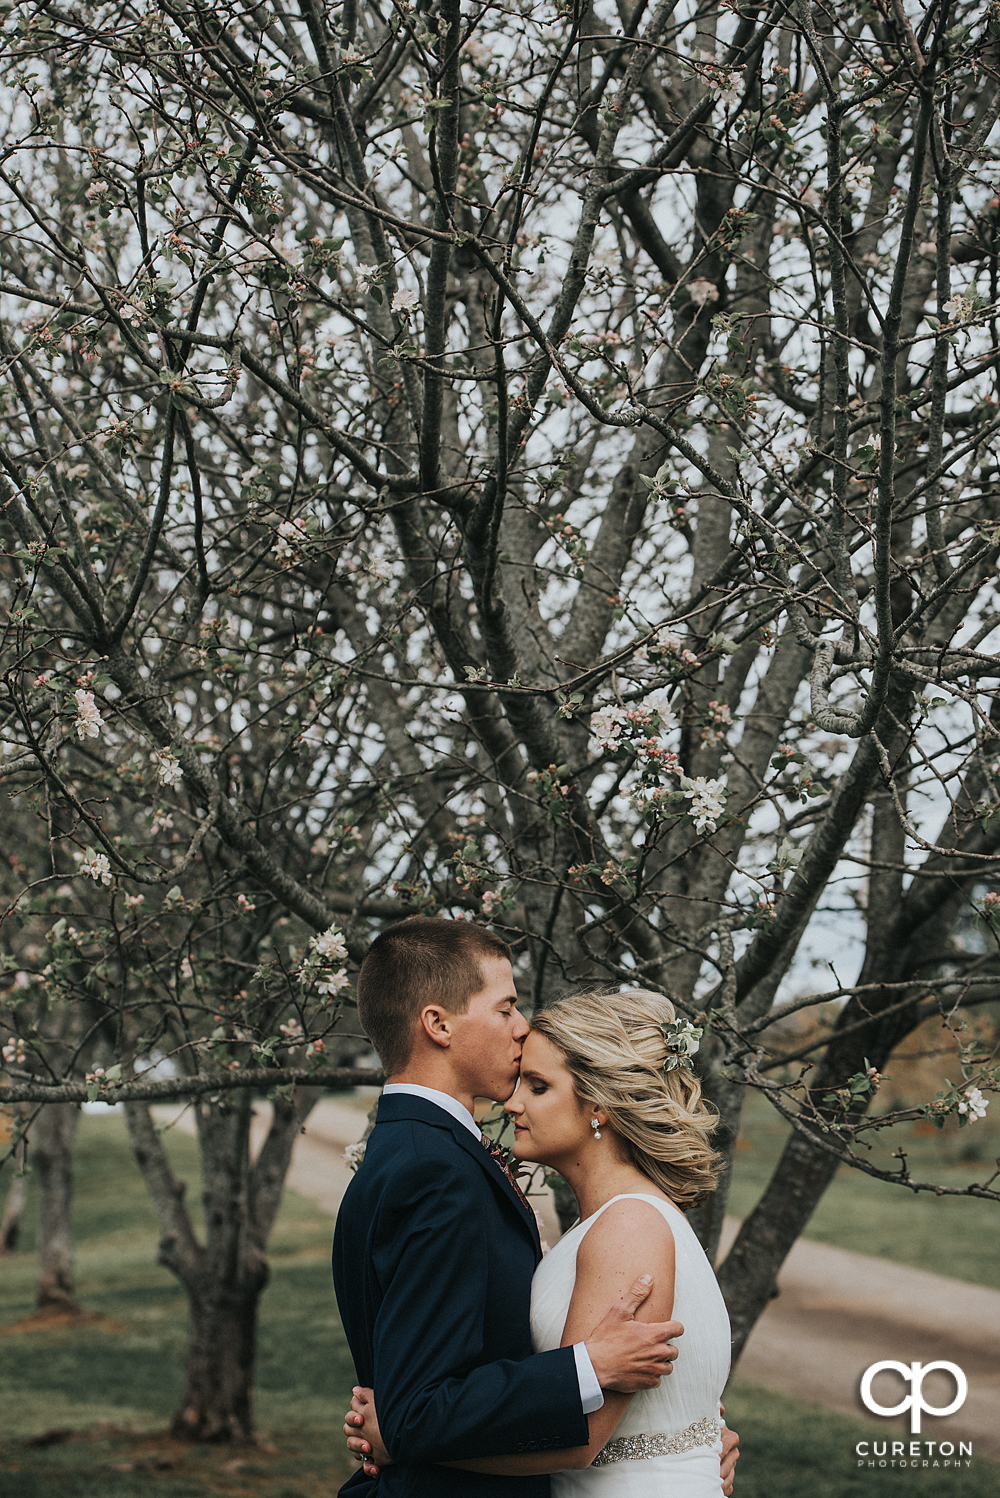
<point x="682" y="1415"/>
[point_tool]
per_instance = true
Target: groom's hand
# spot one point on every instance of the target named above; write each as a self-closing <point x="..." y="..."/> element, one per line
<point x="630" y="1355"/>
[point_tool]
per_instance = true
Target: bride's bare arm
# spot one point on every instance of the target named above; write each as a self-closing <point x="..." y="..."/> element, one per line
<point x="629" y="1239"/>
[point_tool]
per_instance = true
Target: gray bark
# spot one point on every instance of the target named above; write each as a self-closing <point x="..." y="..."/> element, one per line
<point x="225" y="1276"/>
<point x="13" y="1207"/>
<point x="51" y="1154"/>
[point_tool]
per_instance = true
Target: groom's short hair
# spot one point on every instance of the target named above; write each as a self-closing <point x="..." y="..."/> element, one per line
<point x="417" y="962"/>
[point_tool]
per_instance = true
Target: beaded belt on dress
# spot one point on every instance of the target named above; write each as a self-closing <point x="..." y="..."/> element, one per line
<point x="638" y="1448"/>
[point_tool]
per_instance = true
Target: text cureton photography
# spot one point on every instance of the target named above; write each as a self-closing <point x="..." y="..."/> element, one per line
<point x="914" y="1453"/>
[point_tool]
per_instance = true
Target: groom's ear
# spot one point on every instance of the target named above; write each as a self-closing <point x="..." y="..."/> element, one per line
<point x="436" y="1025"/>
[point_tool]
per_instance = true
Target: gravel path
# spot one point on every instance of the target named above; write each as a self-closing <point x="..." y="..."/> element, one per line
<point x="837" y="1312"/>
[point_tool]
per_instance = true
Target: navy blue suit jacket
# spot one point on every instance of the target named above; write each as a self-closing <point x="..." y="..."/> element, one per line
<point x="432" y="1262"/>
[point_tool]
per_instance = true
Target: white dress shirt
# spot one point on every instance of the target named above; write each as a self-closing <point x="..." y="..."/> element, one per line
<point x="590" y="1390"/>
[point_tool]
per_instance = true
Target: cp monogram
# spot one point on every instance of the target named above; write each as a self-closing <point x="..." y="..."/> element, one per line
<point x="914" y="1373"/>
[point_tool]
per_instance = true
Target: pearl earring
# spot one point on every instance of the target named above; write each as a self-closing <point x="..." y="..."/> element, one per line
<point x="595" y="1125"/>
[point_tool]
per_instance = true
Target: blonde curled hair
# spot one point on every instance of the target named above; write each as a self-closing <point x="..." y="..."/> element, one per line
<point x="614" y="1048"/>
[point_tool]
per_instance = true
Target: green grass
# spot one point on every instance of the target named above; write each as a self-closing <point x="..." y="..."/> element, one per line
<point x="953" y="1235"/>
<point x="790" y="1451"/>
<point x="116" y="1380"/>
<point x="110" y="1386"/>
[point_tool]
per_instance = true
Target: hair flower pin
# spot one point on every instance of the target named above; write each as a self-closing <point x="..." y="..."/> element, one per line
<point x="683" y="1039"/>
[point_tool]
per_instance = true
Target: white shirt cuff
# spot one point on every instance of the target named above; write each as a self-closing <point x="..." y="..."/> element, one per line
<point x="590" y="1390"/>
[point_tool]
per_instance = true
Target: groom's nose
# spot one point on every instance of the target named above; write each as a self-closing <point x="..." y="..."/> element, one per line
<point x="521" y="1026"/>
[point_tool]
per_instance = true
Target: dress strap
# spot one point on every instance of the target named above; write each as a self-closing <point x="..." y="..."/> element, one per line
<point x="626" y="1196"/>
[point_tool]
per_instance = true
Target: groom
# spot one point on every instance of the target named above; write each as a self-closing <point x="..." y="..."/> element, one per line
<point x="435" y="1245"/>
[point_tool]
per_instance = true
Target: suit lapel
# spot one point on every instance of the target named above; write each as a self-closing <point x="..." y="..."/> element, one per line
<point x="475" y="1148"/>
<point x="398" y="1106"/>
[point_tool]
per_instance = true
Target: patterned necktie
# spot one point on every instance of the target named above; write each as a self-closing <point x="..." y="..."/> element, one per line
<point x="500" y="1156"/>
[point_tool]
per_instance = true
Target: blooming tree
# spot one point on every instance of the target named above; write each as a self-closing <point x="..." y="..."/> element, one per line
<point x="534" y="465"/>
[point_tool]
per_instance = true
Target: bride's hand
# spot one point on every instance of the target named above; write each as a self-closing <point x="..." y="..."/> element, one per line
<point x="364" y="1439"/>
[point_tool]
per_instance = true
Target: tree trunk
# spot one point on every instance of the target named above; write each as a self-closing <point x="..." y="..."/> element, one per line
<point x="51" y="1154"/>
<point x="13" y="1211"/>
<point x="747" y="1276"/>
<point x="708" y="1218"/>
<point x="223" y="1277"/>
<point x="217" y="1403"/>
<point x="566" y="1205"/>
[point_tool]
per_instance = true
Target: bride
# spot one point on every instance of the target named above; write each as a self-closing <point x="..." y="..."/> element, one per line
<point x="608" y="1098"/>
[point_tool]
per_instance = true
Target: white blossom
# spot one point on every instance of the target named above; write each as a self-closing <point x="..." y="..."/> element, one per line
<point x="14" y="1050"/>
<point x="329" y="944"/>
<point x="332" y="983"/>
<point x="859" y="177"/>
<point x="404" y="300"/>
<point x="974" y="1104"/>
<point x="367" y="274"/>
<point x="354" y="1154"/>
<point x="702" y="291"/>
<point x="606" y="727"/>
<point x="88" y="718"/>
<point x="168" y="766"/>
<point x="98" y="867"/>
<point x="290" y="534"/>
<point x="659" y="702"/>
<point x="707" y="799"/>
<point x="729" y="87"/>
<point x="960" y="307"/>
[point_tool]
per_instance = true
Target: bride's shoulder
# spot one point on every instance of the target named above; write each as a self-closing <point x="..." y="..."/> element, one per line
<point x="625" y="1224"/>
<point x="631" y="1237"/>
